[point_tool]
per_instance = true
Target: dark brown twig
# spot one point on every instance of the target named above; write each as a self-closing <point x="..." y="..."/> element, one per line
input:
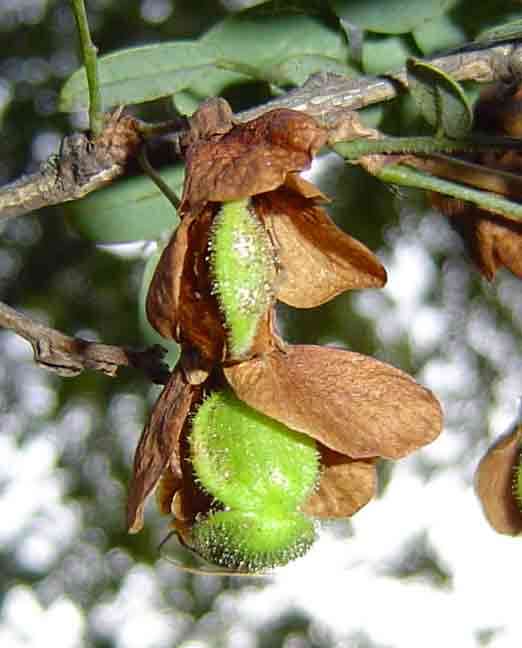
<point x="69" y="356"/>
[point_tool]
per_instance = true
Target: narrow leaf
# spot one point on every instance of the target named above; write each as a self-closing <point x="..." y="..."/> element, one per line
<point x="265" y="40"/>
<point x="141" y="74"/>
<point x="390" y="16"/>
<point x="506" y="31"/>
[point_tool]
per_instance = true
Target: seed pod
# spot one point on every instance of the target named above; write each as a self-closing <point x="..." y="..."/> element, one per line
<point x="252" y="541"/>
<point x="249" y="461"/>
<point x="243" y="273"/>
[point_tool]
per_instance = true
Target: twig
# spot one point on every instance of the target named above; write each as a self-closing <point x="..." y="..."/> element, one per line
<point x="157" y="179"/>
<point x="406" y="176"/>
<point x="425" y="145"/>
<point x="90" y="61"/>
<point x="78" y="170"/>
<point x="325" y="94"/>
<point x="69" y="356"/>
<point x="83" y="165"/>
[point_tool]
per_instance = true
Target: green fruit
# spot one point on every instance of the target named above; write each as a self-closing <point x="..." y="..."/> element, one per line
<point x="243" y="272"/>
<point x="252" y="541"/>
<point x="249" y="461"/>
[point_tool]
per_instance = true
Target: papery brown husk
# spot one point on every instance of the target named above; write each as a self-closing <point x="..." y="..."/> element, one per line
<point x="494" y="483"/>
<point x="345" y="485"/>
<point x="499" y="109"/>
<point x="318" y="260"/>
<point x="251" y="158"/>
<point x="349" y="402"/>
<point x="180" y="303"/>
<point x="182" y="497"/>
<point x="493" y="242"/>
<point x="158" y="445"/>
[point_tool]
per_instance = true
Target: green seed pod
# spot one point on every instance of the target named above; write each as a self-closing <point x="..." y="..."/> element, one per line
<point x="248" y="461"/>
<point x="243" y="272"/>
<point x="252" y="541"/>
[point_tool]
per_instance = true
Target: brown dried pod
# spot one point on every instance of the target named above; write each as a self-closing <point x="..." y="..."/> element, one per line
<point x="182" y="304"/>
<point x="494" y="483"/>
<point x="356" y="408"/>
<point x="345" y="486"/>
<point x="252" y="167"/>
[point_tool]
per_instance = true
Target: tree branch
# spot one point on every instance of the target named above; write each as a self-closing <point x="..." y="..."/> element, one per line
<point x="325" y="94"/>
<point x="82" y="166"/>
<point x="69" y="356"/>
<point x="85" y="165"/>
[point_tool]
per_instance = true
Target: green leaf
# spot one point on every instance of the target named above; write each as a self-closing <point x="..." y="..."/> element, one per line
<point x="440" y="98"/>
<point x="212" y="85"/>
<point x="385" y="53"/>
<point x="389" y="16"/>
<point x="186" y="102"/>
<point x="441" y="33"/>
<point x="296" y="70"/>
<point x="131" y="209"/>
<point x="238" y="48"/>
<point x="142" y="74"/>
<point x="267" y="41"/>
<point x="150" y="335"/>
<point x="506" y="31"/>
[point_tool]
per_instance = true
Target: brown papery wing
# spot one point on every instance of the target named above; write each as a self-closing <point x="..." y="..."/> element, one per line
<point x="252" y="158"/>
<point x="351" y="403"/>
<point x="345" y="486"/>
<point x="318" y="260"/>
<point x="494" y="484"/>
<point x="158" y="445"/>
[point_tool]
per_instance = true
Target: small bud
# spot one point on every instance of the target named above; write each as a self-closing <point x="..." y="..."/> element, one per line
<point x="243" y="272"/>
<point x="248" y="461"/>
<point x="252" y="541"/>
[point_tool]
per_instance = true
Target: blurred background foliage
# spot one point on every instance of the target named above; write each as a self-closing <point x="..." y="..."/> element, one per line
<point x="68" y="570"/>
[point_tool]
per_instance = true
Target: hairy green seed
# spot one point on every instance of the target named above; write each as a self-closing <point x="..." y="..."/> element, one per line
<point x="249" y="461"/>
<point x="243" y="272"/>
<point x="252" y="541"/>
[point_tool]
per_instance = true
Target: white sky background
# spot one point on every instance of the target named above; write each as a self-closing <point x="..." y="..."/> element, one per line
<point x="344" y="582"/>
